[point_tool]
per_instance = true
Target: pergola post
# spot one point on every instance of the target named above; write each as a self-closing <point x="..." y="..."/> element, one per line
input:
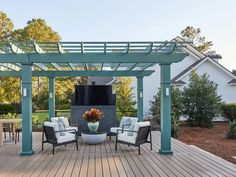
<point x="140" y="98"/>
<point x="51" y="97"/>
<point x="165" y="110"/>
<point x="26" y="75"/>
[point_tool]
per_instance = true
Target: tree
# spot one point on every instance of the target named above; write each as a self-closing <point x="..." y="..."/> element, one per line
<point x="125" y="103"/>
<point x="36" y="30"/>
<point x="176" y="109"/>
<point x="200" y="100"/>
<point x="6" y="27"/>
<point x="191" y="34"/>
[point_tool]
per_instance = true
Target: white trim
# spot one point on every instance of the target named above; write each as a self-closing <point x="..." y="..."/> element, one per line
<point x="196" y="66"/>
<point x="221" y="67"/>
<point x="213" y="62"/>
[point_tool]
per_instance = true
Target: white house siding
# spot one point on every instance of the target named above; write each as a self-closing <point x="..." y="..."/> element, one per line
<point x="227" y="92"/>
<point x="152" y="83"/>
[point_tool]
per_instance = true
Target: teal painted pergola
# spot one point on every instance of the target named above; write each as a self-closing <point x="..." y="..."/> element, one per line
<point x="54" y="59"/>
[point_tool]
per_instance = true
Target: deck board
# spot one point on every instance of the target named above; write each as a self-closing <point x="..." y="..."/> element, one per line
<point x="103" y="161"/>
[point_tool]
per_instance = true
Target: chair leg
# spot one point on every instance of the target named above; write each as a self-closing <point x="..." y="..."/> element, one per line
<point x="77" y="145"/>
<point x="116" y="144"/>
<point x="18" y="136"/>
<point x="150" y="139"/>
<point x="42" y="139"/>
<point x="139" y="150"/>
<point x="53" y="149"/>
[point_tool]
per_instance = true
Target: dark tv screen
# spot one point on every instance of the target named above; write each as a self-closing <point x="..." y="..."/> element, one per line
<point x="93" y="94"/>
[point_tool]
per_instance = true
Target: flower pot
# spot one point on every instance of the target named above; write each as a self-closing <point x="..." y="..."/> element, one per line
<point x="93" y="126"/>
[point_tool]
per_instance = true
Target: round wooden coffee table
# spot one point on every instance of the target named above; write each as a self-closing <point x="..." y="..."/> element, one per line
<point x="93" y="137"/>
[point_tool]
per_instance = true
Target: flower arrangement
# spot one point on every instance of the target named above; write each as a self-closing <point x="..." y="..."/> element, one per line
<point x="93" y="115"/>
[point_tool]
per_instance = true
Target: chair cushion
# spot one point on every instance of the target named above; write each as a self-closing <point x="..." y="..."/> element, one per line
<point x="61" y="127"/>
<point x="141" y="124"/>
<point x="125" y="121"/>
<point x="66" y="138"/>
<point x="65" y="121"/>
<point x="133" y="120"/>
<point x="131" y="129"/>
<point x="54" y="119"/>
<point x="124" y="137"/>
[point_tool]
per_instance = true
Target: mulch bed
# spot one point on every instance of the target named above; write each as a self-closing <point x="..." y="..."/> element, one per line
<point x="210" y="139"/>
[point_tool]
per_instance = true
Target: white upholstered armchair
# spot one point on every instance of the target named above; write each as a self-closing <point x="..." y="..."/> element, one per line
<point x="139" y="135"/>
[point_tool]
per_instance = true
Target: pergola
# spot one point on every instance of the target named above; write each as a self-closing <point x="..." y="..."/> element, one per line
<point x="54" y="59"/>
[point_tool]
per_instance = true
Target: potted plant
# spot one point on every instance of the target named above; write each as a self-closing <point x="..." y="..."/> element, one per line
<point x="93" y="116"/>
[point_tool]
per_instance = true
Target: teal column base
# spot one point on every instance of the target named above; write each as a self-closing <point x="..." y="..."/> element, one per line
<point x="165" y="152"/>
<point x="30" y="153"/>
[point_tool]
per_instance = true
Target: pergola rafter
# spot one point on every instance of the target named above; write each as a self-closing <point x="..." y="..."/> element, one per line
<point x="90" y="59"/>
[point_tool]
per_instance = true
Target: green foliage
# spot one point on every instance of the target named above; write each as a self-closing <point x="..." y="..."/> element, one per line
<point x="176" y="109"/>
<point x="191" y="34"/>
<point x="200" y="100"/>
<point x="9" y="90"/>
<point x="6" y="108"/>
<point x="229" y="111"/>
<point x="125" y="103"/>
<point x="9" y="116"/>
<point x="36" y="30"/>
<point x="37" y="120"/>
<point x="232" y="129"/>
<point x="6" y="27"/>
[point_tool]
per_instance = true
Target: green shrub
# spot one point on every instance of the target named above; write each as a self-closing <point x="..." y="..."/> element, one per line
<point x="5" y="108"/>
<point x="200" y="100"/>
<point x="232" y="129"/>
<point x="9" y="116"/>
<point x="176" y="109"/>
<point x="229" y="111"/>
<point x="175" y="126"/>
<point x="37" y="120"/>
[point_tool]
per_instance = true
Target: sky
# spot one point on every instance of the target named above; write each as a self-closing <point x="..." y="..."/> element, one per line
<point x="133" y="20"/>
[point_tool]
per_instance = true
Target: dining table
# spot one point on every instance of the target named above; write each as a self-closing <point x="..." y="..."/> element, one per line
<point x="13" y="122"/>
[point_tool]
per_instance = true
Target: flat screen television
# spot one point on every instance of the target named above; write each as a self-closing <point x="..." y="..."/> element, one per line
<point x="93" y="95"/>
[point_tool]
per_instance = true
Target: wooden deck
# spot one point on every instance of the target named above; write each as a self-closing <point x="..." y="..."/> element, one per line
<point x="102" y="160"/>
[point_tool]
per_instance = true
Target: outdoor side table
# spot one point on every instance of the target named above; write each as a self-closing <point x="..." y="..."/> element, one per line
<point x="93" y="137"/>
<point x="7" y="121"/>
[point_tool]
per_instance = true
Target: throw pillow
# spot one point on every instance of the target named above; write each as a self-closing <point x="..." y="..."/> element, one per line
<point x="126" y="122"/>
<point x="61" y="127"/>
<point x="64" y="121"/>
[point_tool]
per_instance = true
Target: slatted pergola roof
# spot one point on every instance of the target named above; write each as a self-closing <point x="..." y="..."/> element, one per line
<point x="116" y="58"/>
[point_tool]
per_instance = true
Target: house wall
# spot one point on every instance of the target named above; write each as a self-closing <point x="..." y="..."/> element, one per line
<point x="221" y="78"/>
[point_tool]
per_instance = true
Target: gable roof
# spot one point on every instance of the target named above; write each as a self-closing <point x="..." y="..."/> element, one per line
<point x="202" y="58"/>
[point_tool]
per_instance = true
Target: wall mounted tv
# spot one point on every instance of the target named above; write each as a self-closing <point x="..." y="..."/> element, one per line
<point x="94" y="95"/>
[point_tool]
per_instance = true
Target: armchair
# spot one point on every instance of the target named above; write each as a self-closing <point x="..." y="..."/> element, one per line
<point x="135" y="137"/>
<point x="53" y="136"/>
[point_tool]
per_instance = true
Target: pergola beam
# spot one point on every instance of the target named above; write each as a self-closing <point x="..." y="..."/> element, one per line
<point x="93" y="58"/>
<point x="17" y="50"/>
<point x="78" y="73"/>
